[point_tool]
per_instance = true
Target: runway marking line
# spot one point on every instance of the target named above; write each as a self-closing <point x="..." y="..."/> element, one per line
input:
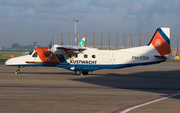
<point x="131" y="107"/>
<point x="90" y="91"/>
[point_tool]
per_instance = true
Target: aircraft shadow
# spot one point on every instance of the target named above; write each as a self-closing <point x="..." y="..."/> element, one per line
<point x="150" y="81"/>
<point x="49" y="73"/>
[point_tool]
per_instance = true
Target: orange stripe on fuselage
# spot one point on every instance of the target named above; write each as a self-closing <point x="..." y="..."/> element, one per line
<point x="160" y="44"/>
<point x="42" y="51"/>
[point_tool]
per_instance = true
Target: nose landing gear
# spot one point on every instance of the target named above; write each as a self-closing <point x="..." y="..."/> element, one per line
<point x="19" y="70"/>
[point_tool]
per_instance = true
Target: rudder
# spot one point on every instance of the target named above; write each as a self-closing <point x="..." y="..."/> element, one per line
<point x="161" y="41"/>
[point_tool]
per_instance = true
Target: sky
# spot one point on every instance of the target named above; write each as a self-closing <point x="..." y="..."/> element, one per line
<point x="28" y="21"/>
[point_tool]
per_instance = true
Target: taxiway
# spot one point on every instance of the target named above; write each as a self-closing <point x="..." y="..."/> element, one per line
<point x="48" y="89"/>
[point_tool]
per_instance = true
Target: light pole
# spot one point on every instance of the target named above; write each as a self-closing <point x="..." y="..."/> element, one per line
<point x="75" y="28"/>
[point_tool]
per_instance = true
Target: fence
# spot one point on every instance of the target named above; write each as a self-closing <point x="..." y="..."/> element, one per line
<point x="114" y="41"/>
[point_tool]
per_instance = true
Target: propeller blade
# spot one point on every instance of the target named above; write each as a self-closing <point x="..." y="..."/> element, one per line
<point x="61" y="43"/>
<point x="50" y="45"/>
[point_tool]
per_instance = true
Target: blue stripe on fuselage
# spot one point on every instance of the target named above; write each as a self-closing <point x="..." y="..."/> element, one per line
<point x="91" y="67"/>
<point x="61" y="59"/>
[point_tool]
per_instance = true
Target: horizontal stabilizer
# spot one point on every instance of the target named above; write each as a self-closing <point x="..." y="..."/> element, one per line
<point x="161" y="56"/>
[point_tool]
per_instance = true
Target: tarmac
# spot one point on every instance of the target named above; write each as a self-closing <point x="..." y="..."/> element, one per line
<point x="141" y="89"/>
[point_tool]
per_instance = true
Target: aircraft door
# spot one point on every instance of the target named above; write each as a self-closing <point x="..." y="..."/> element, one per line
<point x="34" y="55"/>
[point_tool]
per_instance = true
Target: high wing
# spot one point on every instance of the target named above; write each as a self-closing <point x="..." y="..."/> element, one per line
<point x="80" y="47"/>
<point x="62" y="49"/>
<point x="68" y="48"/>
<point x="71" y="47"/>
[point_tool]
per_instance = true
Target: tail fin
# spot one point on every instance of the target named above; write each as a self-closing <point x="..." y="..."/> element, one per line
<point x="161" y="41"/>
<point x="81" y="43"/>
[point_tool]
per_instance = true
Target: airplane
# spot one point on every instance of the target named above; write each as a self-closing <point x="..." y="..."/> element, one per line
<point x="82" y="60"/>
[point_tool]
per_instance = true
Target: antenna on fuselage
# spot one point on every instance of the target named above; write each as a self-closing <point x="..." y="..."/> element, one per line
<point x="53" y="39"/>
<point x="61" y="38"/>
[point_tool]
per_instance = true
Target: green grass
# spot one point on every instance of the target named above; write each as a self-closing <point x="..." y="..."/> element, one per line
<point x="6" y="54"/>
<point x="172" y="60"/>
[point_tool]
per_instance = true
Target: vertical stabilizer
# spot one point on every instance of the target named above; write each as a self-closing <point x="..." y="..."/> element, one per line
<point x="161" y="41"/>
<point x="81" y="43"/>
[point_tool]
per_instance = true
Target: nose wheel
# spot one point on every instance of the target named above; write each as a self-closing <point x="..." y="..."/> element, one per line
<point x="18" y="71"/>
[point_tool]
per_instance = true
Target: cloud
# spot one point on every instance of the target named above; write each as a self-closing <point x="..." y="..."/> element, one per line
<point x="42" y="9"/>
<point x="138" y="9"/>
<point x="62" y="9"/>
<point x="4" y="13"/>
<point x="83" y="10"/>
<point x="29" y="12"/>
<point x="36" y="2"/>
<point x="23" y="2"/>
<point x="145" y="13"/>
<point x="59" y="10"/>
<point x="111" y="3"/>
<point x="127" y="18"/>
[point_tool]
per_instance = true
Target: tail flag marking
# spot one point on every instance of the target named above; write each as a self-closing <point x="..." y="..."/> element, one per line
<point x="161" y="42"/>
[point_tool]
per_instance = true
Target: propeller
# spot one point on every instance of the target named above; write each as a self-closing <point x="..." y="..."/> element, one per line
<point x="50" y="45"/>
<point x="61" y="43"/>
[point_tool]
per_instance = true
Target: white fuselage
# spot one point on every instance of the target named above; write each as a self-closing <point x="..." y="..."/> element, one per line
<point x="84" y="59"/>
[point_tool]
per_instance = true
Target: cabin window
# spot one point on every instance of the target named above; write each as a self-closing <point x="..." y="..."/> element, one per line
<point x="35" y="54"/>
<point x="46" y="55"/>
<point x="75" y="55"/>
<point x="69" y="55"/>
<point x="93" y="56"/>
<point x="85" y="56"/>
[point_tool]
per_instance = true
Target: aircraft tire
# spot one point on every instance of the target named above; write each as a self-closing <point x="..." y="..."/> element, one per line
<point x="85" y="72"/>
<point x="78" y="72"/>
<point x="18" y="71"/>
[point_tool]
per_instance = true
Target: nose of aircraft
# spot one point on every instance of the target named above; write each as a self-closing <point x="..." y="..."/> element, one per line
<point x="8" y="62"/>
<point x="15" y="61"/>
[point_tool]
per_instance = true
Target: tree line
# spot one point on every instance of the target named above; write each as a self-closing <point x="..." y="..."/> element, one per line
<point x="22" y="47"/>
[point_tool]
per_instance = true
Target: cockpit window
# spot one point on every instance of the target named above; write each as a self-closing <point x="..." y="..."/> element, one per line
<point x="35" y="54"/>
<point x="31" y="52"/>
<point x="70" y="55"/>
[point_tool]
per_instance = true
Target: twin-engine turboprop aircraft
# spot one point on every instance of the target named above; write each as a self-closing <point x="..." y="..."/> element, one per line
<point x="84" y="59"/>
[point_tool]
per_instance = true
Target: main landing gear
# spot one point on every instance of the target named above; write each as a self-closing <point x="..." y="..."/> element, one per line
<point x="19" y="70"/>
<point x="81" y="72"/>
